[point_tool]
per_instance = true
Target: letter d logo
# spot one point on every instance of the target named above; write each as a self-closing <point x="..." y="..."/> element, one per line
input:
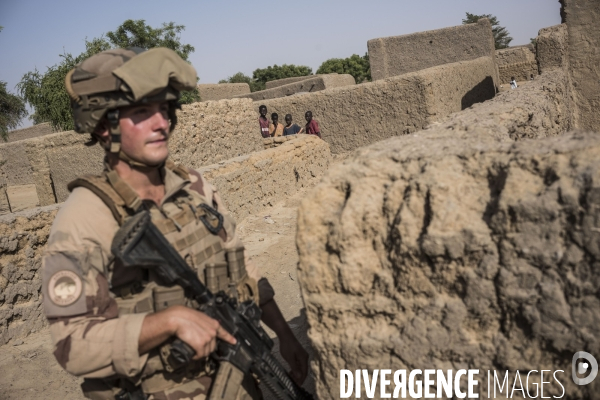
<point x="589" y="365"/>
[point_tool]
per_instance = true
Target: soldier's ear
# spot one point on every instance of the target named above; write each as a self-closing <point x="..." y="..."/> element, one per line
<point x="102" y="134"/>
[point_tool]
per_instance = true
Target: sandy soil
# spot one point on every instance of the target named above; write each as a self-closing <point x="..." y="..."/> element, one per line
<point x="29" y="371"/>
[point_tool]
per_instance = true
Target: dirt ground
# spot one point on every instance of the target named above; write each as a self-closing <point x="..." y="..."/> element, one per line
<point x="30" y="371"/>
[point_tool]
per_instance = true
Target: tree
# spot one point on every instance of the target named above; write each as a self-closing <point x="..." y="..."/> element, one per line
<point x="241" y="78"/>
<point x="501" y="38"/>
<point x="261" y="76"/>
<point x="12" y="111"/>
<point x="355" y="65"/>
<point x="133" y="33"/>
<point x="46" y="92"/>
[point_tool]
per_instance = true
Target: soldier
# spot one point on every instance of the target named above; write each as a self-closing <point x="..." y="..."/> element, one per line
<point x="111" y="325"/>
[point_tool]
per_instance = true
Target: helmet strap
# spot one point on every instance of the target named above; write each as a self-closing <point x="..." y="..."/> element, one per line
<point x="115" y="130"/>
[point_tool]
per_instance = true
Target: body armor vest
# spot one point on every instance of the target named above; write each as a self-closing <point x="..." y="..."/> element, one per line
<point x="193" y="226"/>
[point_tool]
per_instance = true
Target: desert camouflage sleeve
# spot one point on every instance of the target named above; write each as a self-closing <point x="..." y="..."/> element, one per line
<point x="90" y="339"/>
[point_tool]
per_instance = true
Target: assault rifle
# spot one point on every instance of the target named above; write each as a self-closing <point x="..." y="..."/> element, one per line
<point x="138" y="243"/>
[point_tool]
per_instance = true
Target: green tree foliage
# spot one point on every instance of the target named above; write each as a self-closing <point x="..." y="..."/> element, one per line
<point x="241" y="78"/>
<point x="354" y="65"/>
<point x="135" y="33"/>
<point x="12" y="111"/>
<point x="46" y="92"/>
<point x="501" y="38"/>
<point x="261" y="76"/>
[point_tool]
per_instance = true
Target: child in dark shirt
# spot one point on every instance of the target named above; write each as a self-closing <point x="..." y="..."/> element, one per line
<point x="290" y="129"/>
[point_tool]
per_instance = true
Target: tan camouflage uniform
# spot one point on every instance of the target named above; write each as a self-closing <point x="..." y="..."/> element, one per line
<point x="96" y="309"/>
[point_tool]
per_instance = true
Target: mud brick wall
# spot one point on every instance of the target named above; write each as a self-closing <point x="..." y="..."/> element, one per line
<point x="270" y="143"/>
<point x="552" y="48"/>
<point x="251" y="183"/>
<point x="520" y="71"/>
<point x="33" y="131"/>
<point x="515" y="54"/>
<point x="23" y="238"/>
<point x="448" y="250"/>
<point x="397" y="55"/>
<point x="518" y="62"/>
<point x="213" y="131"/>
<point x="354" y="116"/>
<point x="247" y="184"/>
<point x="220" y="91"/>
<point x="310" y="84"/>
<point x="285" y="81"/>
<point x="581" y="17"/>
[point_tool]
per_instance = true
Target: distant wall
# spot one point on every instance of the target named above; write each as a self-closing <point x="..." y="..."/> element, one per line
<point x="521" y="71"/>
<point x="49" y="162"/>
<point x="518" y="62"/>
<point x="247" y="185"/>
<point x="552" y="48"/>
<point x="582" y="18"/>
<point x="354" y="116"/>
<point x="285" y="81"/>
<point x="220" y="91"/>
<point x="539" y="109"/>
<point x="397" y="55"/>
<point x="515" y="54"/>
<point x="312" y="84"/>
<point x="33" y="131"/>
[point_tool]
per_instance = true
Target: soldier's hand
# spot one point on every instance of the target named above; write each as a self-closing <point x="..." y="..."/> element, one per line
<point x="195" y="328"/>
<point x="198" y="330"/>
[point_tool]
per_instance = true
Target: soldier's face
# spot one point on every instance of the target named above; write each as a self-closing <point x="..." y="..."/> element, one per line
<point x="145" y="132"/>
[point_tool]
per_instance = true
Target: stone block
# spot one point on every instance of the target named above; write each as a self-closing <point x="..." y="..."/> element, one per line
<point x="397" y="55"/>
<point x="22" y="197"/>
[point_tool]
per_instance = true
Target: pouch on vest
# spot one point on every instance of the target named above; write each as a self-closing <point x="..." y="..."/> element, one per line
<point x="241" y="286"/>
<point x="165" y="297"/>
<point x="216" y="277"/>
<point x="137" y="303"/>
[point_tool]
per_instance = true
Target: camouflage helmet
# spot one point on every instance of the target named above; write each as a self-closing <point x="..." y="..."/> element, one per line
<point x="122" y="77"/>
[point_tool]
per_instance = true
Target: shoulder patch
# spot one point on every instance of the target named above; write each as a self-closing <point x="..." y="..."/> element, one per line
<point x="64" y="288"/>
<point x="63" y="285"/>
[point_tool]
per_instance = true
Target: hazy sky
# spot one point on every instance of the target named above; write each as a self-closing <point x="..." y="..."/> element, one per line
<point x="237" y="35"/>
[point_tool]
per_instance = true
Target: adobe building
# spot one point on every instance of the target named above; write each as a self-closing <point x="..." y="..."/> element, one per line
<point x="397" y="55"/>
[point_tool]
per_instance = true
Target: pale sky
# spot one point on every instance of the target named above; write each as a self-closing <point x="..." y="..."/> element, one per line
<point x="238" y="35"/>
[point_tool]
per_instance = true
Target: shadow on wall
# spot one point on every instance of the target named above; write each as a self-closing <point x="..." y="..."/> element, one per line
<point x="484" y="90"/>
